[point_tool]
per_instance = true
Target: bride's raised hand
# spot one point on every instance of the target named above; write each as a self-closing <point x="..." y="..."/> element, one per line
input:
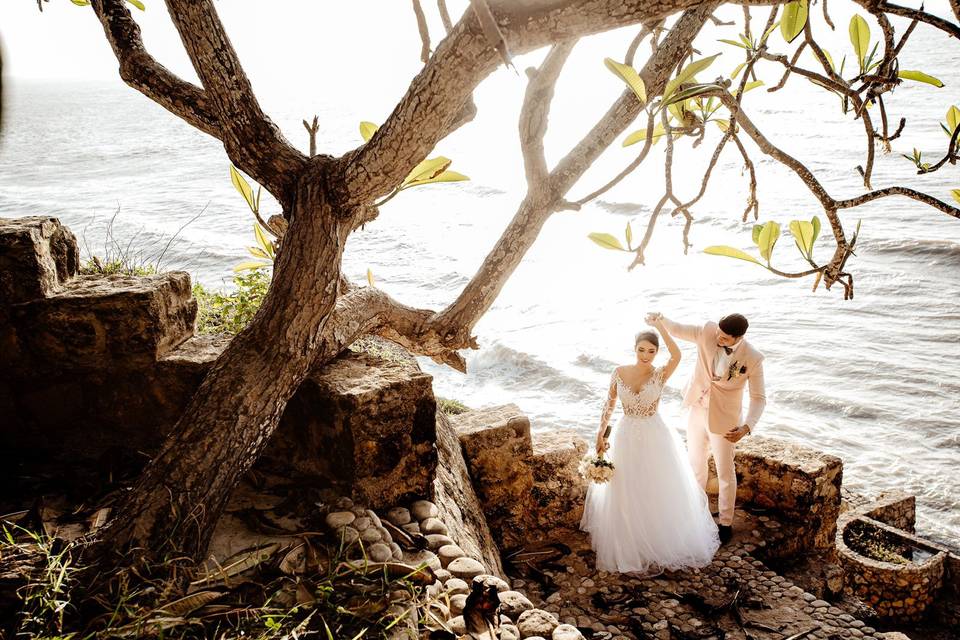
<point x="601" y="444"/>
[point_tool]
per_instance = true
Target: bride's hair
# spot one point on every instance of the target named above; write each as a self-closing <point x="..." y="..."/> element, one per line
<point x="649" y="336"/>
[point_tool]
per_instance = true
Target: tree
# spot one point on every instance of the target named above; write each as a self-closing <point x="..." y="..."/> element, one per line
<point x="312" y="313"/>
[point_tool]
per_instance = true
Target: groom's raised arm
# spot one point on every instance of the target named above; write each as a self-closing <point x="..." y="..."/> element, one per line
<point x="688" y="332"/>
<point x="758" y="395"/>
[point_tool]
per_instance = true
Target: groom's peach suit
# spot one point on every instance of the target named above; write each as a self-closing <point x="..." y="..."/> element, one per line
<point x="714" y="395"/>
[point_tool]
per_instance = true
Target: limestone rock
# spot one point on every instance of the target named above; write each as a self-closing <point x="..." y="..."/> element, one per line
<point x="433" y="525"/>
<point x="537" y="622"/>
<point x="497" y="447"/>
<point x="37" y="256"/>
<point x="465" y="568"/>
<point x="457" y="500"/>
<point x="558" y="489"/>
<point x="437" y="540"/>
<point x="568" y="632"/>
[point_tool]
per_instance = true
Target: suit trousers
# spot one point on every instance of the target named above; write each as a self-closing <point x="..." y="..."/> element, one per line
<point x="700" y="443"/>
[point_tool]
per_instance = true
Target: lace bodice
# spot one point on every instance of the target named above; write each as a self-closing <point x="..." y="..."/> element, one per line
<point x="641" y="403"/>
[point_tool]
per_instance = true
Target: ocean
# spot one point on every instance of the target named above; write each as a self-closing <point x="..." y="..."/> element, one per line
<point x="872" y="380"/>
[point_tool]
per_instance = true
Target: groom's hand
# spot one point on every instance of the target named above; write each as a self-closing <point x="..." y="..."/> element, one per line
<point x="735" y="434"/>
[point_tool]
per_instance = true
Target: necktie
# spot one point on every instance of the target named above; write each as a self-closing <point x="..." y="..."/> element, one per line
<point x="728" y="350"/>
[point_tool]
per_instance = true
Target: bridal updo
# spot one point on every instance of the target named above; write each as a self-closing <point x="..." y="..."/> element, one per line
<point x="649" y="336"/>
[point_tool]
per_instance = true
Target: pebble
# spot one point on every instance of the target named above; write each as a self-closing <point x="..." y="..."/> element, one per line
<point x="433" y="525"/>
<point x="384" y="535"/>
<point x="858" y="624"/>
<point x="343" y="503"/>
<point x="663" y="624"/>
<point x="819" y="604"/>
<point x="379" y="552"/>
<point x="423" y="509"/>
<point x="437" y="540"/>
<point x="457" y="586"/>
<point x="486" y="578"/>
<point x="338" y="519"/>
<point x="809" y="597"/>
<point x="448" y="553"/>
<point x="349" y="535"/>
<point x="536" y="622"/>
<point x="587" y="582"/>
<point x="370" y="536"/>
<point x="442" y="575"/>
<point x="457" y="625"/>
<point x="411" y="527"/>
<point x="398" y="516"/>
<point x="427" y="557"/>
<point x="457" y="603"/>
<point x="362" y="523"/>
<point x="509" y="632"/>
<point x="396" y="551"/>
<point x="513" y="603"/>
<point x="374" y="518"/>
<point x="465" y="567"/>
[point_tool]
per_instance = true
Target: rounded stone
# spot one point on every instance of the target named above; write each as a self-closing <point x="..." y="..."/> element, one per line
<point x="536" y="622"/>
<point x="465" y="568"/>
<point x="349" y="535"/>
<point x="433" y="525"/>
<point x="513" y="603"/>
<point x="457" y="603"/>
<point x="425" y="557"/>
<point x="819" y="604"/>
<point x="380" y="552"/>
<point x="374" y="518"/>
<point x="456" y="586"/>
<point x="437" y="540"/>
<point x="423" y="509"/>
<point x="457" y="625"/>
<point x="395" y="549"/>
<point x="509" y="632"/>
<point x="362" y="523"/>
<point x="337" y="519"/>
<point x="448" y="553"/>
<point x="384" y="535"/>
<point x="399" y="516"/>
<point x="809" y="597"/>
<point x="411" y="527"/>
<point x="486" y="578"/>
<point x="566" y="632"/>
<point x="442" y="575"/>
<point x="343" y="503"/>
<point x="370" y="536"/>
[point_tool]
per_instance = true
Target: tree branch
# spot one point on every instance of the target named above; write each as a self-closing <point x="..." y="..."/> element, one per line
<point x="143" y="73"/>
<point x="424" y="31"/>
<point x="251" y="140"/>
<point x="536" y="109"/>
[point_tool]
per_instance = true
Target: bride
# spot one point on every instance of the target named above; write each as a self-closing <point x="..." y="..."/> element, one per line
<point x="652" y="515"/>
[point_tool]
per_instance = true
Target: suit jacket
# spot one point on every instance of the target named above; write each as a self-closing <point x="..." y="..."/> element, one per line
<point x="726" y="393"/>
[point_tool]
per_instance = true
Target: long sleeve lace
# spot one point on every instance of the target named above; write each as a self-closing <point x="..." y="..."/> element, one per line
<point x="611" y="403"/>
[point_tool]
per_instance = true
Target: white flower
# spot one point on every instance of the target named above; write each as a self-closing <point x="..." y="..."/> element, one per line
<point x="596" y="469"/>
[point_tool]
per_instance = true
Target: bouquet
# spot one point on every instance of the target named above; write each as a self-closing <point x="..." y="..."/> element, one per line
<point x="596" y="468"/>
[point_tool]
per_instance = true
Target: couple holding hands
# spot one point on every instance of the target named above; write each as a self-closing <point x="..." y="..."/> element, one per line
<point x="653" y="514"/>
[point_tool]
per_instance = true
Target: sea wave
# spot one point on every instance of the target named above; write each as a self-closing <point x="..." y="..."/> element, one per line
<point x="930" y="248"/>
<point x="516" y="369"/>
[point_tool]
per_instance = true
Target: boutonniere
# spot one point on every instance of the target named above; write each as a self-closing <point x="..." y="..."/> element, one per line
<point x="735" y="370"/>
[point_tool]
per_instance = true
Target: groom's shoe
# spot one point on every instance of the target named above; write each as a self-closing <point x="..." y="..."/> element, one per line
<point x="726" y="532"/>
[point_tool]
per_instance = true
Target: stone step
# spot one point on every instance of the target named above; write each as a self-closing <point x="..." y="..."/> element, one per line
<point x="558" y="490"/>
<point x="100" y="323"/>
<point x="38" y="255"/>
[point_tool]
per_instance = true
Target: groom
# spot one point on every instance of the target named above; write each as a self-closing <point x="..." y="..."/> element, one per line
<point x="714" y="394"/>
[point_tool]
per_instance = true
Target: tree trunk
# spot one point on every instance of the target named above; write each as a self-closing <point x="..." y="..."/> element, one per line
<point x="174" y="506"/>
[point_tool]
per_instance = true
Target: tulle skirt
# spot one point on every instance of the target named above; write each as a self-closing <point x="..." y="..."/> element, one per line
<point x="652" y="515"/>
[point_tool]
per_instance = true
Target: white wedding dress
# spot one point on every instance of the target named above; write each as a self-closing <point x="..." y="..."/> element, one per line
<point x="652" y="515"/>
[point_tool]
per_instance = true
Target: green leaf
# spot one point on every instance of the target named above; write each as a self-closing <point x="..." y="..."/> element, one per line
<point x="730" y="252"/>
<point x="815" y="221"/>
<point x="629" y="75"/>
<point x="262" y="240"/>
<point x="802" y="235"/>
<point x="859" y="37"/>
<point x="367" y="129"/>
<point x="766" y="34"/>
<point x="690" y="92"/>
<point x="250" y="264"/>
<point x="734" y="43"/>
<point x="243" y="187"/>
<point x="629" y="235"/>
<point x="793" y="20"/>
<point x="737" y="70"/>
<point x="919" y="76"/>
<point x="826" y="54"/>
<point x="953" y="119"/>
<point x="956" y="195"/>
<point x="137" y="4"/>
<point x="426" y="170"/>
<point x="606" y="241"/>
<point x="641" y="135"/>
<point x="257" y="252"/>
<point x="81" y="3"/>
<point x="757" y="228"/>
<point x="687" y="74"/>
<point x="769" y="235"/>
<point x="445" y="176"/>
<point x="722" y="124"/>
<point x="751" y="85"/>
<point x="369" y="277"/>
